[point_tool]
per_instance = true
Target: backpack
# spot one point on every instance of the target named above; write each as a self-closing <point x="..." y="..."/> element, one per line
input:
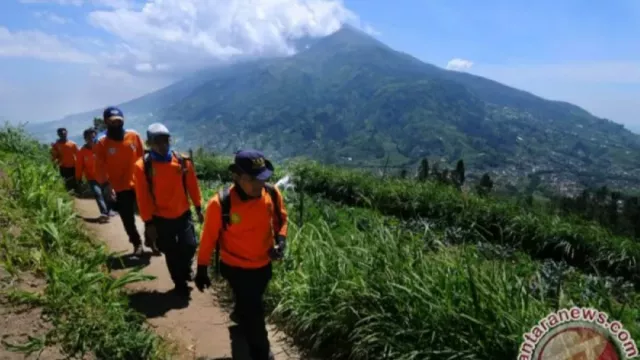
<point x="148" y="167"/>
<point x="225" y="211"/>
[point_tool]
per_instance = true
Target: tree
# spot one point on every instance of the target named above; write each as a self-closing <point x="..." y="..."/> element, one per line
<point x="460" y="171"/>
<point x="458" y="175"/>
<point x="99" y="124"/>
<point x="485" y="186"/>
<point x="423" y="170"/>
<point x="403" y="174"/>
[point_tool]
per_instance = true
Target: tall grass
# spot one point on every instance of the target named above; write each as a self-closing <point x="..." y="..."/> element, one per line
<point x="585" y="245"/>
<point x="359" y="285"/>
<point x="86" y="306"/>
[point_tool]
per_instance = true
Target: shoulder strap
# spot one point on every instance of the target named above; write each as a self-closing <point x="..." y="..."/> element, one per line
<point x="146" y="159"/>
<point x="225" y="206"/>
<point x="271" y="190"/>
<point x="183" y="168"/>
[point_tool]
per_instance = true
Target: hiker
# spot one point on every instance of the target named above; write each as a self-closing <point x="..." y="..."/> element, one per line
<point x="116" y="153"/>
<point x="243" y="222"/>
<point x="63" y="154"/>
<point x="86" y="166"/>
<point x="164" y="182"/>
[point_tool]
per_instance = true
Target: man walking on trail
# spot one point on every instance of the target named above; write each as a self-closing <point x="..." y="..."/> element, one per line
<point x="86" y="166"/>
<point x="63" y="154"/>
<point x="116" y="153"/>
<point x="247" y="222"/>
<point x="164" y="183"/>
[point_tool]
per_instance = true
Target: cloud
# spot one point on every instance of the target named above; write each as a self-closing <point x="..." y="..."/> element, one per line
<point x="458" y="64"/>
<point x="188" y="34"/>
<point x="36" y="44"/>
<point x="51" y="17"/>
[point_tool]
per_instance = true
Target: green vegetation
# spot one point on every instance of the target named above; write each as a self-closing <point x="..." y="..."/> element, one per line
<point x="386" y="268"/>
<point x="540" y="233"/>
<point x="360" y="285"/>
<point x="41" y="234"/>
<point x="581" y="244"/>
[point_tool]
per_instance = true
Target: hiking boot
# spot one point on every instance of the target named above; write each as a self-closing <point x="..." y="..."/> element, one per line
<point x="103" y="219"/>
<point x="112" y="213"/>
<point x="137" y="250"/>
<point x="182" y="289"/>
<point x="234" y="317"/>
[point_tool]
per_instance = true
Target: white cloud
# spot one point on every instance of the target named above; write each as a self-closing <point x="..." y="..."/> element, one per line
<point x="458" y="64"/>
<point x="39" y="45"/>
<point x="51" y="17"/>
<point x="187" y="34"/>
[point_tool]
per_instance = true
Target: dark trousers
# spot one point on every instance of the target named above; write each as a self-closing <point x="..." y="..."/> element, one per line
<point x="69" y="176"/>
<point x="248" y="286"/>
<point x="178" y="242"/>
<point x="96" y="189"/>
<point x="126" y="203"/>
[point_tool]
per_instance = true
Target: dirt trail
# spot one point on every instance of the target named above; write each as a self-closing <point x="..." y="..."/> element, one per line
<point x="199" y="328"/>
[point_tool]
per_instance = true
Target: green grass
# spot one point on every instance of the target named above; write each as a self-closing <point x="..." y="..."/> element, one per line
<point x="361" y="285"/>
<point x="542" y="235"/>
<point x="40" y="233"/>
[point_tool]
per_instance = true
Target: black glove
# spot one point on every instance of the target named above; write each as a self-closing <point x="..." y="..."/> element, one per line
<point x="277" y="252"/>
<point x="202" y="280"/>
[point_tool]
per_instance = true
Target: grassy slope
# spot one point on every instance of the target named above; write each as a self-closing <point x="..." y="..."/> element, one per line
<point x="41" y="234"/>
<point x="360" y="285"/>
<point x="542" y="235"/>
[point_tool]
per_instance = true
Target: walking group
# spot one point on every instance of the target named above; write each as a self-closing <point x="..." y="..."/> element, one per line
<point x="245" y="223"/>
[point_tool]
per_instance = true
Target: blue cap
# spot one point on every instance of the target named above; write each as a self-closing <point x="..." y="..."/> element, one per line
<point x="253" y="163"/>
<point x="112" y="112"/>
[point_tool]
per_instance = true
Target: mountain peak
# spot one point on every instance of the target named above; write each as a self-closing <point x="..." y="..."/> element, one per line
<point x="349" y="35"/>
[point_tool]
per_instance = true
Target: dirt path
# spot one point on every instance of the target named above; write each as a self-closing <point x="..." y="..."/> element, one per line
<point x="199" y="328"/>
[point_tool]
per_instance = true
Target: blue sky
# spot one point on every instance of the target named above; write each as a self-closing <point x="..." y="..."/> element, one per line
<point x="64" y="56"/>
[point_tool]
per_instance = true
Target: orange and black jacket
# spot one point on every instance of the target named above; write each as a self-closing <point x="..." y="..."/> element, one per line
<point x="86" y="165"/>
<point x="169" y="200"/>
<point x="249" y="235"/>
<point x="115" y="159"/>
<point x="64" y="153"/>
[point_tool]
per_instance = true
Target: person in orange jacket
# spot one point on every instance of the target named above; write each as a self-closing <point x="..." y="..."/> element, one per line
<point x="249" y="223"/>
<point x="116" y="154"/>
<point x="86" y="167"/>
<point x="164" y="183"/>
<point x="63" y="154"/>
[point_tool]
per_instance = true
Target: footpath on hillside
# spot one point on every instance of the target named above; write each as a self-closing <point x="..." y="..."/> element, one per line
<point x="199" y="328"/>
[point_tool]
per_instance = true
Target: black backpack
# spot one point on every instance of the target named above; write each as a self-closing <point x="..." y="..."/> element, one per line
<point x="148" y="168"/>
<point x="225" y="211"/>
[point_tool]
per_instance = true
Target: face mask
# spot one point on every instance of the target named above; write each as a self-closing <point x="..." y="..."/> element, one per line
<point x="115" y="132"/>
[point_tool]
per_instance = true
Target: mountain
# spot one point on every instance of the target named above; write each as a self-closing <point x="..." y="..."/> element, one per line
<point x="348" y="98"/>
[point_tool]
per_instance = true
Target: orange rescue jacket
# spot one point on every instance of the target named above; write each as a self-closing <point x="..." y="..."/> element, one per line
<point x="64" y="153"/>
<point x="250" y="234"/>
<point x="86" y="165"/>
<point x="115" y="160"/>
<point x="169" y="199"/>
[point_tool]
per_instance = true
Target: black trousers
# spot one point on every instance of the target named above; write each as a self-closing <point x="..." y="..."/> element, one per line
<point x="248" y="286"/>
<point x="178" y="242"/>
<point x="126" y="204"/>
<point x="69" y="176"/>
